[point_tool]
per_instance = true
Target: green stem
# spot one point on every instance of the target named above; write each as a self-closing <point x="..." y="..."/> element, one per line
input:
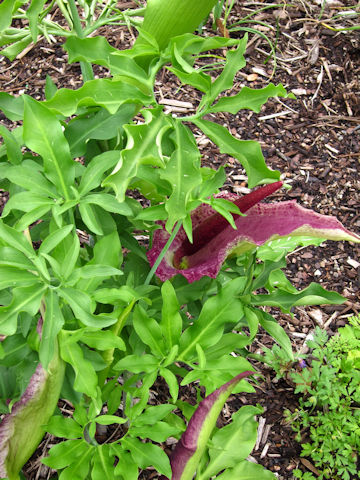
<point x="108" y="355"/>
<point x="64" y="11"/>
<point x="163" y="253"/>
<point x="86" y="68"/>
<point x="250" y="275"/>
<point x="75" y="18"/>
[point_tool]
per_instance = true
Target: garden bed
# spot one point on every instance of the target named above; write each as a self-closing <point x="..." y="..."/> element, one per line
<point x="313" y="141"/>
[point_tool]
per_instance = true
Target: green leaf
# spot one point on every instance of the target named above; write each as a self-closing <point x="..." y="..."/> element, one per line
<point x="247" y="471"/>
<point x="146" y="454"/>
<point x="314" y="294"/>
<point x="101" y="126"/>
<point x="266" y="269"/>
<point x="52" y="324"/>
<point x="274" y="250"/>
<point x="85" y="376"/>
<point x="153" y="414"/>
<point x="229" y="342"/>
<point x="137" y="363"/>
<point x="81" y="305"/>
<point x="65" y="453"/>
<point x="149" y="331"/>
<point x="171" y="321"/>
<point x="10" y="276"/>
<point x="184" y="48"/>
<point x="103" y="463"/>
<point x="16" y="240"/>
<point x="121" y="64"/>
<point x="276" y="331"/>
<point x="252" y="319"/>
<point x="32" y="14"/>
<point x="6" y="10"/>
<point x="79" y="468"/>
<point x="31" y="217"/>
<point x="93" y="174"/>
<point x="58" y="164"/>
<point x="54" y="264"/>
<point x="24" y="299"/>
<point x="217" y="311"/>
<point x="107" y="251"/>
<point x="64" y="427"/>
<point x="182" y="172"/>
<point x="94" y="50"/>
<point x="108" y="202"/>
<point x="15" y="349"/>
<point x="122" y="295"/>
<point x="102" y="339"/>
<point x="234" y="62"/>
<point x="248" y="98"/>
<point x="54" y="238"/>
<point x="26" y="202"/>
<point x="215" y="372"/>
<point x="143" y="146"/>
<point x="240" y="433"/>
<point x="224" y="207"/>
<point x="212" y="181"/>
<point x="29" y="177"/>
<point x="198" y="80"/>
<point x="110" y="420"/>
<point x="157" y="212"/>
<point x="13" y="107"/>
<point x="143" y="394"/>
<point x="13" y="258"/>
<point x="93" y="271"/>
<point x="109" y="94"/>
<point x="158" y="432"/>
<point x="248" y="152"/>
<point x="13" y="148"/>
<point x="50" y="87"/>
<point x="126" y="466"/>
<point x="172" y="382"/>
<point x="90" y="216"/>
<point x="71" y="257"/>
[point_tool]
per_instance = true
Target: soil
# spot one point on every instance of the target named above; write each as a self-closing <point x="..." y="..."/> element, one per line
<point x="313" y="140"/>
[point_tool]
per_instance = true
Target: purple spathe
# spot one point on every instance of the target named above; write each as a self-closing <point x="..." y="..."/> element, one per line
<point x="262" y="223"/>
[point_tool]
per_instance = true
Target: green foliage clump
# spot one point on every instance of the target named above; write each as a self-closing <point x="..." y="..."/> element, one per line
<point x="327" y="421"/>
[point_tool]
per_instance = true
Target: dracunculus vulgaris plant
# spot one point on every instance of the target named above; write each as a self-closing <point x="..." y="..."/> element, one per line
<point x="22" y="429"/>
<point x="214" y="239"/>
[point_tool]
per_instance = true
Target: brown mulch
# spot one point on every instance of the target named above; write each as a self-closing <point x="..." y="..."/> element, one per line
<point x="313" y="141"/>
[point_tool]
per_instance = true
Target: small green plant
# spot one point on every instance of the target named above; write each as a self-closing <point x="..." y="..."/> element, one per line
<point x="303" y="475"/>
<point x="327" y="422"/>
<point x="280" y="361"/>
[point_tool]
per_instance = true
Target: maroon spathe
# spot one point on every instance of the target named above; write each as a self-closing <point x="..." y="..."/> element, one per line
<point x="215" y="239"/>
